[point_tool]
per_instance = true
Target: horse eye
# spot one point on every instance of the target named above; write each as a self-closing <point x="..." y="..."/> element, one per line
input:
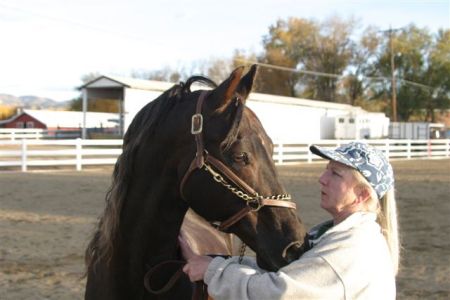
<point x="241" y="157"/>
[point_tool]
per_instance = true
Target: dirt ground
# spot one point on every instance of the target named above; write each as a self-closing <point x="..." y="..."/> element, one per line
<point x="46" y="219"/>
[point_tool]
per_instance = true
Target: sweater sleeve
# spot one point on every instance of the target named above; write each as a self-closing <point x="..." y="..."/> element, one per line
<point x="306" y="278"/>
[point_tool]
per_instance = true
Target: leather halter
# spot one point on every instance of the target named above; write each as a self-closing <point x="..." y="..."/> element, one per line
<point x="205" y="160"/>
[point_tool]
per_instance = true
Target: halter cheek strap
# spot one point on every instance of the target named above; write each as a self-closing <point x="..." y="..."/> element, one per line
<point x="197" y="131"/>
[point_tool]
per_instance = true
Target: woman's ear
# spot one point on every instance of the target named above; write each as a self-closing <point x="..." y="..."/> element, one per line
<point x="362" y="194"/>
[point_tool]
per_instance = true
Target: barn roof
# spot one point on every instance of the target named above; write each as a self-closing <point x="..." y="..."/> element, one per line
<point x="73" y="119"/>
<point x="152" y="85"/>
<point x="6" y="121"/>
<point x="304" y="102"/>
<point x="134" y="83"/>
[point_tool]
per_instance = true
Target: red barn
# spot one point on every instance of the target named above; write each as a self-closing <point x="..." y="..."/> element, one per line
<point x="22" y="120"/>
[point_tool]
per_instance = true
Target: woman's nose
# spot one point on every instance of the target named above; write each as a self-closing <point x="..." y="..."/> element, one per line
<point x="322" y="178"/>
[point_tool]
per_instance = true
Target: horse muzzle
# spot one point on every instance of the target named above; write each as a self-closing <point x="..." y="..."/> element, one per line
<point x="292" y="251"/>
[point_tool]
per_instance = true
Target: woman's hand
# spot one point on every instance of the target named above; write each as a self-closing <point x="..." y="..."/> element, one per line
<point x="196" y="265"/>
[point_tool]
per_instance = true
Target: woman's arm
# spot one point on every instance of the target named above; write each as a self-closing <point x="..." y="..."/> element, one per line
<point x="306" y="278"/>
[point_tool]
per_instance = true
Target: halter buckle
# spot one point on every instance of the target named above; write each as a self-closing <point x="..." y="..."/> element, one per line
<point x="255" y="204"/>
<point x="196" y="124"/>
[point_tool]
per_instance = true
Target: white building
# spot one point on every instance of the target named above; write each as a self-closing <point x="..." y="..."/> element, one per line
<point x="284" y="118"/>
<point x="362" y="125"/>
<point x="58" y="119"/>
<point x="416" y="130"/>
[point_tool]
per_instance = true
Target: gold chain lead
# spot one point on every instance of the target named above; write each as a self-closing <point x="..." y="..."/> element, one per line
<point x="218" y="178"/>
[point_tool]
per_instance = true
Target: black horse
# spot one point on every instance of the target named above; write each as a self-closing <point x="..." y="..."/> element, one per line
<point x="201" y="149"/>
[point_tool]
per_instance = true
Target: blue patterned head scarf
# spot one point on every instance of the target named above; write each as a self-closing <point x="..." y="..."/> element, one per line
<point x="369" y="161"/>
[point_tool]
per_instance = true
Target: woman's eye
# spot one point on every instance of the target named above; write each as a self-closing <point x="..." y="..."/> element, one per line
<point x="336" y="173"/>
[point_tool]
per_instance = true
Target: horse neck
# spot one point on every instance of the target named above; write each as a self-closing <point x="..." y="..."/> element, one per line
<point x="149" y="228"/>
<point x="153" y="218"/>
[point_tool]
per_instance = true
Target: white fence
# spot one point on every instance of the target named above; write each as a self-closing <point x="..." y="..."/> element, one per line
<point x="294" y="152"/>
<point x="17" y="134"/>
<point x="13" y="134"/>
<point x="50" y="153"/>
<point x="26" y="153"/>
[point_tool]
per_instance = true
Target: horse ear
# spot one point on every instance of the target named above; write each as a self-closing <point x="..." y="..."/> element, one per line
<point x="223" y="94"/>
<point x="245" y="85"/>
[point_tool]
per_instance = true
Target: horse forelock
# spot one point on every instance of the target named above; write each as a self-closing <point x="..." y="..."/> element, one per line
<point x="143" y="126"/>
<point x="234" y="129"/>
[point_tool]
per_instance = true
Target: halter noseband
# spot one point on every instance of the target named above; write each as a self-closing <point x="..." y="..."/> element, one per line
<point x="241" y="189"/>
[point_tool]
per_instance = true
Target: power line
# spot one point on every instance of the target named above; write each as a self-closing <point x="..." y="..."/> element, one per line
<point x="330" y="75"/>
<point x="292" y="69"/>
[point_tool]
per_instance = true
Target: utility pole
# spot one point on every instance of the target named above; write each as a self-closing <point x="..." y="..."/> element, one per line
<point x="393" y="81"/>
<point x="394" y="89"/>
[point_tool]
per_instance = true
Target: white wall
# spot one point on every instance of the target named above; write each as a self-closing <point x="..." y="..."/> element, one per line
<point x="284" y="118"/>
<point x="360" y="126"/>
<point x="379" y="125"/>
<point x="134" y="101"/>
<point x="285" y="122"/>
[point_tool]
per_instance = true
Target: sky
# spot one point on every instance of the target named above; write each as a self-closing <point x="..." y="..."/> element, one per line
<point x="48" y="45"/>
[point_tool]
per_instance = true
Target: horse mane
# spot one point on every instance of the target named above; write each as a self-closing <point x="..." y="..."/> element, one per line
<point x="144" y="125"/>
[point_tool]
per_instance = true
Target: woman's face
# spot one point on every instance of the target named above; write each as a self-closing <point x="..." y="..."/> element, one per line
<point x="338" y="190"/>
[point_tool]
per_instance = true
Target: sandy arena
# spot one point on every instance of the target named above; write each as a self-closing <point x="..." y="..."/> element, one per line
<point x="46" y="219"/>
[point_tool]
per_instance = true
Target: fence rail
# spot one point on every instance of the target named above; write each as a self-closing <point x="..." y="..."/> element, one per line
<point x="293" y="152"/>
<point x="40" y="153"/>
<point x="25" y="133"/>
<point x="29" y="153"/>
<point x="37" y="134"/>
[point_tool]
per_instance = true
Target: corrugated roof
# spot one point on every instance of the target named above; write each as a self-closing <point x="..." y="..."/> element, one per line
<point x="142" y="84"/>
<point x="73" y="119"/>
<point x="134" y="83"/>
<point x="303" y="102"/>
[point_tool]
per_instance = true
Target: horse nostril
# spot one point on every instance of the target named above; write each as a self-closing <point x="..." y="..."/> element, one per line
<point x="292" y="251"/>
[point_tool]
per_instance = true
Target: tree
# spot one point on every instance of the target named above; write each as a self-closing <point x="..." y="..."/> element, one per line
<point x="421" y="68"/>
<point x="165" y="74"/>
<point x="98" y="105"/>
<point x="437" y="75"/>
<point x="307" y="45"/>
<point x="217" y="69"/>
<point x="7" y="111"/>
<point x="354" y="86"/>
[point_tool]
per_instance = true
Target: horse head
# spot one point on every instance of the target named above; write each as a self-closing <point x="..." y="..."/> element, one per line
<point x="229" y="176"/>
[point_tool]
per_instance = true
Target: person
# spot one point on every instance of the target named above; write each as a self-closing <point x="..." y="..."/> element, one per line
<point x="353" y="256"/>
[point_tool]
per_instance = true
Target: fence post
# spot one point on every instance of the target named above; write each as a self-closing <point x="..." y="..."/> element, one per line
<point x="429" y="148"/>
<point x="447" y="143"/>
<point x="387" y="148"/>
<point x="408" y="149"/>
<point x="309" y="153"/>
<point x="78" y="153"/>
<point x="24" y="155"/>
<point x="13" y="136"/>
<point x="280" y="153"/>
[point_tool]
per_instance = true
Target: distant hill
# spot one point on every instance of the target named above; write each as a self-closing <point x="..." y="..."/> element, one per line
<point x="32" y="102"/>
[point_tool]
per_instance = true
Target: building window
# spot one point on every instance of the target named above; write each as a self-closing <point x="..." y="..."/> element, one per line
<point x="351" y="120"/>
<point x="341" y="120"/>
<point x="30" y="124"/>
<point x="20" y="125"/>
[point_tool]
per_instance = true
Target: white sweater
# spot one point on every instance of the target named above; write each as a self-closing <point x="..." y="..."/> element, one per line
<point x="349" y="261"/>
